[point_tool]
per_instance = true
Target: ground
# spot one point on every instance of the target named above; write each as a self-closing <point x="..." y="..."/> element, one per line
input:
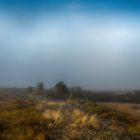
<point x="28" y="119"/>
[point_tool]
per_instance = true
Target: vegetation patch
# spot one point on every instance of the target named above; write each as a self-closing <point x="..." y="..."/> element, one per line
<point x="27" y="119"/>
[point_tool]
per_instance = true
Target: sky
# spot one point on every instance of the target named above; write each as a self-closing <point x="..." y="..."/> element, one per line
<point x="90" y="43"/>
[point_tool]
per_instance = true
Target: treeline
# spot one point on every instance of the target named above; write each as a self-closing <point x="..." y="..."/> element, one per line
<point x="100" y="96"/>
<point x="61" y="91"/>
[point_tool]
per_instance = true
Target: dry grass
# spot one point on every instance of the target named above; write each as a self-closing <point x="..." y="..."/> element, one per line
<point x="53" y="115"/>
<point x="84" y="120"/>
<point x="132" y="109"/>
<point x="64" y="120"/>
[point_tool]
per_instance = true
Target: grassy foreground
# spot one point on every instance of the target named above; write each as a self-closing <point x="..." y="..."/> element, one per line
<point x="65" y="120"/>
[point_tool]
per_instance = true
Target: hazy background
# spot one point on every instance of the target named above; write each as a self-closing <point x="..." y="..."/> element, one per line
<point x="91" y="43"/>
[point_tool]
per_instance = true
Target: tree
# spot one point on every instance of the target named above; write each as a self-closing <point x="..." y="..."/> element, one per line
<point x="40" y="86"/>
<point x="30" y="90"/>
<point x="61" y="87"/>
<point x="40" y="89"/>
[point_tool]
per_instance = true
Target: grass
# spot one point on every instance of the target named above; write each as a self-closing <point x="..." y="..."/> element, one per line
<point x="66" y="120"/>
<point x="132" y="109"/>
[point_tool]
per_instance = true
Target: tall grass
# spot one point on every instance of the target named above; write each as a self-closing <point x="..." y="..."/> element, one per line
<point x="64" y="120"/>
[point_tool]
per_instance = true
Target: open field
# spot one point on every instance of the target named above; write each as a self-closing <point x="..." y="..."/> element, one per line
<point x="26" y="119"/>
<point x="132" y="109"/>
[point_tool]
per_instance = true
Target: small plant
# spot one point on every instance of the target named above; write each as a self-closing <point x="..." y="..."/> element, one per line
<point x="54" y="116"/>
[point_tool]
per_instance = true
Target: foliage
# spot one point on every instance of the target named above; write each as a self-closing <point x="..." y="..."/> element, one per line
<point x="26" y="119"/>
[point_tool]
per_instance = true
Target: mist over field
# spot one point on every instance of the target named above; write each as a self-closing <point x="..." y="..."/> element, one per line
<point x="69" y="69"/>
<point x="94" y="44"/>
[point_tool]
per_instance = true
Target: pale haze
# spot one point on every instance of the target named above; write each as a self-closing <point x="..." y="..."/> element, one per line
<point x="94" y="47"/>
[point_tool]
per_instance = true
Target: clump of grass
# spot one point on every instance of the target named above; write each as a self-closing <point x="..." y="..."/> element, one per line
<point x="84" y="120"/>
<point x="81" y="126"/>
<point x="55" y="124"/>
<point x="54" y="116"/>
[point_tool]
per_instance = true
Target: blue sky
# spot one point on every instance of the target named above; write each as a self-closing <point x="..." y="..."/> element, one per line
<point x="91" y="43"/>
<point x="52" y="4"/>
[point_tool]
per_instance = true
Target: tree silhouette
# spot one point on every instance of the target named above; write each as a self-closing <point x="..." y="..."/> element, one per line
<point x="61" y="87"/>
<point x="40" y="86"/>
<point x="40" y="89"/>
<point x="30" y="90"/>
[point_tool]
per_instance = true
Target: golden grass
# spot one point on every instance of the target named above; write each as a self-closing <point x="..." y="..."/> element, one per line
<point x="43" y="105"/>
<point x="64" y="120"/>
<point x="84" y="120"/>
<point x="131" y="109"/>
<point x="53" y="115"/>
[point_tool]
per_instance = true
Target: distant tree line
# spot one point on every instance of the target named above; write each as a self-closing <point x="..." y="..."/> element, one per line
<point x="61" y="91"/>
